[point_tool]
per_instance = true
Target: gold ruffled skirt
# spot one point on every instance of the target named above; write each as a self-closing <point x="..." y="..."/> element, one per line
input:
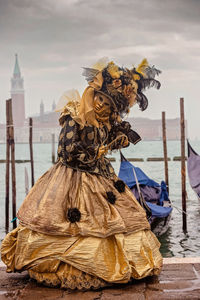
<point x="111" y="243"/>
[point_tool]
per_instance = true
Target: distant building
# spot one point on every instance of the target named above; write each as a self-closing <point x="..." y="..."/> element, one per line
<point x="152" y="129"/>
<point x="17" y="95"/>
<point x="46" y="118"/>
<point x="45" y="123"/>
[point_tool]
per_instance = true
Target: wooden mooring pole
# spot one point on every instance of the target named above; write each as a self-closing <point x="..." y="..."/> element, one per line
<point x="165" y="150"/>
<point x="7" y="167"/>
<point x="53" y="148"/>
<point x="31" y="149"/>
<point x="12" y="144"/>
<point x="183" y="180"/>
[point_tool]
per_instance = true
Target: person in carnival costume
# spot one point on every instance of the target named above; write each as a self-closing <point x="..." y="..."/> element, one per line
<point x="80" y="226"/>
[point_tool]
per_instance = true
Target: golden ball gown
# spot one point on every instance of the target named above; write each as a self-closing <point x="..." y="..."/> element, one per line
<point x="80" y="226"/>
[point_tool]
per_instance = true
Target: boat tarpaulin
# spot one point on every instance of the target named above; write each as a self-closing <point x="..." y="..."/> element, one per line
<point x="159" y="211"/>
<point x="150" y="189"/>
<point x="193" y="166"/>
<point x="127" y="175"/>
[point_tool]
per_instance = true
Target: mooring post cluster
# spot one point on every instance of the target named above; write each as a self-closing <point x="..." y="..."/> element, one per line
<point x="182" y="158"/>
<point x="10" y="157"/>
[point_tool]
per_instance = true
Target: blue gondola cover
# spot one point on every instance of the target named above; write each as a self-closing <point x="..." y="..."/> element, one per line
<point x="159" y="211"/>
<point x="126" y="174"/>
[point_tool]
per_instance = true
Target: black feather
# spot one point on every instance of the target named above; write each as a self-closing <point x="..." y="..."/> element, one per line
<point x="148" y="83"/>
<point x="142" y="101"/>
<point x="152" y="72"/>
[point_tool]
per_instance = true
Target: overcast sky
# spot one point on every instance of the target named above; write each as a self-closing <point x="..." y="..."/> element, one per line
<point x="54" y="39"/>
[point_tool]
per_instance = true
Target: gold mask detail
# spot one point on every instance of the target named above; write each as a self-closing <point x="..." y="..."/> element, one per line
<point x="102" y="106"/>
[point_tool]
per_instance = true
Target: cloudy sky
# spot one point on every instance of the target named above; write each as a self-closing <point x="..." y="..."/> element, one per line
<point x="54" y="39"/>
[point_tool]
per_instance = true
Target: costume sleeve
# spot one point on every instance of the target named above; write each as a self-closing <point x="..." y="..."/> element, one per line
<point x="75" y="144"/>
<point x="119" y="140"/>
<point x="123" y="135"/>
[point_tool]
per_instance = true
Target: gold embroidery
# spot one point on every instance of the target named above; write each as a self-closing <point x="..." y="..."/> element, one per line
<point x="68" y="148"/>
<point x="90" y="135"/>
<point x="101" y="131"/>
<point x="59" y="149"/>
<point x="83" y="135"/>
<point x="82" y="156"/>
<point x="71" y="123"/>
<point x="70" y="134"/>
<point x="111" y="169"/>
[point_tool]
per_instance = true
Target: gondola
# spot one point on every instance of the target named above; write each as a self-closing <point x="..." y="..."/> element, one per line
<point x="193" y="166"/>
<point x="152" y="196"/>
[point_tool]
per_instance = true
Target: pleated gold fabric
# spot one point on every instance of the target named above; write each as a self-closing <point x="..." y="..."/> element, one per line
<point x="45" y="207"/>
<point x="82" y="262"/>
<point x="110" y="243"/>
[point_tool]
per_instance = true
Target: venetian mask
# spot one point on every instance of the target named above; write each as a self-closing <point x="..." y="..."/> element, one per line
<point x="102" y="106"/>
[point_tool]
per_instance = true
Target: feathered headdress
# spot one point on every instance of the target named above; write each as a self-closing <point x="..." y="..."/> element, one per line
<point x="124" y="85"/>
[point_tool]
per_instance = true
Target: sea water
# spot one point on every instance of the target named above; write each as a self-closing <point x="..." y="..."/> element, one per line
<point x="175" y="242"/>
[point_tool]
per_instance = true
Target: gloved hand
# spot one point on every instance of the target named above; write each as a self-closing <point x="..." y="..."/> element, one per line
<point x="102" y="150"/>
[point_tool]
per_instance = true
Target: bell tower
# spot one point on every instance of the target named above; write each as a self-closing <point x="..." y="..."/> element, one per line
<point x="17" y="95"/>
<point x="41" y="108"/>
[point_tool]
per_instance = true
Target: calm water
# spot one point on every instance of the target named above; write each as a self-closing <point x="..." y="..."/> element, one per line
<point x="174" y="242"/>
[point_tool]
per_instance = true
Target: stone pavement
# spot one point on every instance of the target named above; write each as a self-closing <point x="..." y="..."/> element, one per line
<point x="179" y="280"/>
